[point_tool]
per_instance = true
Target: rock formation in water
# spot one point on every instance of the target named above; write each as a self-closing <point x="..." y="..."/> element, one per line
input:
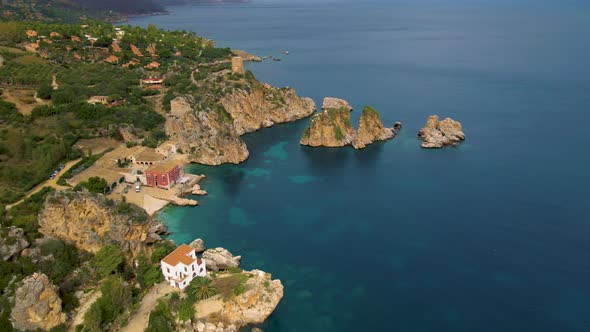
<point x="198" y="245"/>
<point x="437" y="134"/>
<point x="12" y="242"/>
<point x="371" y="129"/>
<point x="335" y="103"/>
<point x="260" y="298"/>
<point x="332" y="127"/>
<point x="91" y="221"/>
<point x="37" y="305"/>
<point x="220" y="259"/>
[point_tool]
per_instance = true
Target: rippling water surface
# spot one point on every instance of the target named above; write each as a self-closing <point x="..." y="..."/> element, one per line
<point x="490" y="236"/>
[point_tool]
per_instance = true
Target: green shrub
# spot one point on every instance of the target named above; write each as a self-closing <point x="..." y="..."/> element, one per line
<point x="202" y="288"/>
<point x="109" y="259"/>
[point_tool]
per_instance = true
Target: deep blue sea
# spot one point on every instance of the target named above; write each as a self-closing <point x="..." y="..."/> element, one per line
<point x="491" y="236"/>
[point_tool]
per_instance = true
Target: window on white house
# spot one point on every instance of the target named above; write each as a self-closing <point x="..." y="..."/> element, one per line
<point x="201" y="270"/>
<point x="168" y="270"/>
<point x="185" y="269"/>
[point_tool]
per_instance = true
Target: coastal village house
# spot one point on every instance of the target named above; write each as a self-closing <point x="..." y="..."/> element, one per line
<point x="167" y="149"/>
<point x="145" y="156"/>
<point x="164" y="174"/>
<point x="181" y="266"/>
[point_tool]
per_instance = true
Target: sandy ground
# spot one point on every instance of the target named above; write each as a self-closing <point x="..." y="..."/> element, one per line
<point x="97" y="145"/>
<point x="212" y="305"/>
<point x="150" y="199"/>
<point x="87" y="301"/>
<point x="25" y="100"/>
<point x="48" y="183"/>
<point x="140" y="320"/>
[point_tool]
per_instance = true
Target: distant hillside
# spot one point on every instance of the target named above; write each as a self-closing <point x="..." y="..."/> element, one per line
<point x="75" y="10"/>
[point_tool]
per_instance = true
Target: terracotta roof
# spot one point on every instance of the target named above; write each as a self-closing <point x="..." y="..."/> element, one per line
<point x="179" y="255"/>
<point x="164" y="166"/>
<point x="148" y="154"/>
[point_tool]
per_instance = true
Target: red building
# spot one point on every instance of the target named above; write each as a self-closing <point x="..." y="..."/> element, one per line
<point x="164" y="174"/>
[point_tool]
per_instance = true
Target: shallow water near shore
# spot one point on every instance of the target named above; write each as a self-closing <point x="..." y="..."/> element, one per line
<point x="489" y="236"/>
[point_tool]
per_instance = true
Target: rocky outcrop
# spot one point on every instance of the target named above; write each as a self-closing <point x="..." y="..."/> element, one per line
<point x="209" y="132"/>
<point x="91" y="221"/>
<point x="12" y="242"/>
<point x="196" y="190"/>
<point x="207" y="136"/>
<point x="220" y="259"/>
<point x="335" y="103"/>
<point x="437" y="134"/>
<point x="332" y="128"/>
<point x="198" y="245"/>
<point x="37" y="305"/>
<point x="371" y="129"/>
<point x="264" y="106"/>
<point x="253" y="306"/>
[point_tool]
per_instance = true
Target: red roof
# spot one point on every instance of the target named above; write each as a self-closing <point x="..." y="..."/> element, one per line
<point x="180" y="255"/>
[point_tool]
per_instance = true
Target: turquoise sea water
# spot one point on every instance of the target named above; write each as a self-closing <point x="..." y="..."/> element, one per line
<point x="490" y="236"/>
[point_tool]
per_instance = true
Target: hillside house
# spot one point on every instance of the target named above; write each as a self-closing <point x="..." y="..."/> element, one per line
<point x="167" y="149"/>
<point x="151" y="80"/>
<point x="164" y="174"/>
<point x="98" y="100"/>
<point x="145" y="156"/>
<point x="181" y="266"/>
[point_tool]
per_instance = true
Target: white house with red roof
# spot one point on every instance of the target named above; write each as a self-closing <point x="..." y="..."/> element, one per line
<point x="181" y="266"/>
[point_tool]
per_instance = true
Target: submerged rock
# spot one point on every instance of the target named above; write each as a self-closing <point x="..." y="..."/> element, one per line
<point x="371" y="129"/>
<point x="37" y="305"/>
<point x="437" y="134"/>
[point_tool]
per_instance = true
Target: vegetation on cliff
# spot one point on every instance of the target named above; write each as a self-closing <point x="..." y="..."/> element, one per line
<point x="64" y="67"/>
<point x="332" y="127"/>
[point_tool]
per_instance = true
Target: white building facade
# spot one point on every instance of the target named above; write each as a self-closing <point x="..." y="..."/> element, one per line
<point x="181" y="266"/>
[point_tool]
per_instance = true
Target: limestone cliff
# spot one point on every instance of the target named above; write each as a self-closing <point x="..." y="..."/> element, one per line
<point x="12" y="242"/>
<point x="91" y="221"/>
<point x="371" y="129"/>
<point x="37" y="305"/>
<point x="253" y="306"/>
<point x="207" y="136"/>
<point x="437" y="134"/>
<point x="208" y="120"/>
<point x="264" y="106"/>
<point x="330" y="127"/>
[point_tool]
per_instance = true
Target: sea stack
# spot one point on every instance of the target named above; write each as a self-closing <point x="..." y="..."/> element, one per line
<point x="331" y="127"/>
<point x="437" y="134"/>
<point x="371" y="129"/>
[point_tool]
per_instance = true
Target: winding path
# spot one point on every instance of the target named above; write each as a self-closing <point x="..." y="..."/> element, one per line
<point x="47" y="183"/>
<point x="140" y="319"/>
